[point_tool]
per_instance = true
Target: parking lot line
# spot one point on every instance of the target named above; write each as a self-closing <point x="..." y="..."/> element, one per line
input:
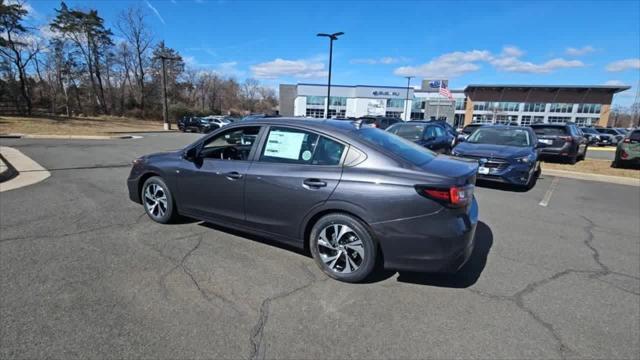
<point x="547" y="195"/>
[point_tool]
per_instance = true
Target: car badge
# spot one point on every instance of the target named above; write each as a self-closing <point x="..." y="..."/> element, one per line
<point x="483" y="161"/>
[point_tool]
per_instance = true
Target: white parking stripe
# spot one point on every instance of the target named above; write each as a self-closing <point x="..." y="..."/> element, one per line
<point x="547" y="195"/>
<point x="29" y="171"/>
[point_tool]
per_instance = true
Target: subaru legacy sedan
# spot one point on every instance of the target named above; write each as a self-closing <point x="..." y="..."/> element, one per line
<point x="506" y="154"/>
<point x="351" y="195"/>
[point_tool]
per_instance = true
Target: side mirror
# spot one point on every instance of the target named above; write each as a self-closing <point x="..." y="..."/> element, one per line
<point x="190" y="154"/>
<point x="462" y="138"/>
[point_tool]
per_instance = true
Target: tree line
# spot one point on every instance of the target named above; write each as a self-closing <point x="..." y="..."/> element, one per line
<point x="86" y="68"/>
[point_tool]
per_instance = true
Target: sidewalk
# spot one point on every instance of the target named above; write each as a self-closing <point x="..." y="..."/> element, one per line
<point x="27" y="171"/>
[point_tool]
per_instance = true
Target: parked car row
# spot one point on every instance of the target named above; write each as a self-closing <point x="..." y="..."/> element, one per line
<point x="204" y="124"/>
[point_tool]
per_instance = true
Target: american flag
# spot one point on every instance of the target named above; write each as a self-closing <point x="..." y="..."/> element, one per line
<point x="444" y="91"/>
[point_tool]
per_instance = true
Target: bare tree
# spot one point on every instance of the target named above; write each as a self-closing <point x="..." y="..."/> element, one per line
<point x="131" y="24"/>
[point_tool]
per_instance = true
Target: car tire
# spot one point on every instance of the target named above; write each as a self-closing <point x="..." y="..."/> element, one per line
<point x="157" y="200"/>
<point x="349" y="258"/>
<point x="573" y="159"/>
<point x="584" y="153"/>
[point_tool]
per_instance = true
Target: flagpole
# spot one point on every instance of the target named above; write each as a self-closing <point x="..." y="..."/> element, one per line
<point x="438" y="103"/>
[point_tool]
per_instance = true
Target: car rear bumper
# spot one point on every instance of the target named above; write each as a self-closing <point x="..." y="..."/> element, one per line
<point x="440" y="242"/>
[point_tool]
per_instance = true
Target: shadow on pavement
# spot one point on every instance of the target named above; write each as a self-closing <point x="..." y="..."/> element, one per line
<point x="502" y="186"/>
<point x="467" y="275"/>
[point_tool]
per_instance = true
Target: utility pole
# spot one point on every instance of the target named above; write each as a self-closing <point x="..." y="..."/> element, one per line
<point x="407" y="110"/>
<point x="331" y="37"/>
<point x="165" y="106"/>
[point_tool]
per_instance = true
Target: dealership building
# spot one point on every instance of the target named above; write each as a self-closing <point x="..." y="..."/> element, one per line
<point x="522" y="104"/>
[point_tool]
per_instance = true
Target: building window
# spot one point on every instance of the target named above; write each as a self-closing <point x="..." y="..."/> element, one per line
<point x="526" y="120"/>
<point x="315" y="113"/>
<point x="461" y="103"/>
<point x="538" y="119"/>
<point x="337" y="113"/>
<point x="506" y="106"/>
<point x="506" y="119"/>
<point x="589" y="108"/>
<point x="586" y="121"/>
<point x="315" y="100"/>
<point x="482" y="119"/>
<point x="534" y="107"/>
<point x="417" y="116"/>
<point x="417" y="104"/>
<point x="395" y="103"/>
<point x="558" y="119"/>
<point x="480" y="106"/>
<point x="395" y="114"/>
<point x="561" y="108"/>
<point x="338" y="101"/>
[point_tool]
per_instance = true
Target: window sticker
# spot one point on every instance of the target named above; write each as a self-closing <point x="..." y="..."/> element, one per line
<point x="285" y="145"/>
<point x="306" y="155"/>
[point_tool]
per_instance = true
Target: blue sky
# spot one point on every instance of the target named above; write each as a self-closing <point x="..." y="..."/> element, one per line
<point x="468" y="42"/>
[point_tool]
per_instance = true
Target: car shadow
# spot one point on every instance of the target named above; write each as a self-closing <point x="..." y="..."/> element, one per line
<point x="256" y="238"/>
<point x="502" y="186"/>
<point x="467" y="275"/>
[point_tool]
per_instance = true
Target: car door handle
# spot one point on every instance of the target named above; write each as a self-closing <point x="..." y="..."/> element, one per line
<point x="234" y="175"/>
<point x="314" y="183"/>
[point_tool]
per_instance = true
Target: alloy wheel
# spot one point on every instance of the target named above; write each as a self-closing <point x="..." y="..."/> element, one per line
<point x="340" y="249"/>
<point x="155" y="200"/>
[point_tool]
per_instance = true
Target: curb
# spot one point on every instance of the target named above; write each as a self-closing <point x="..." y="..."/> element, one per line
<point x="593" y="177"/>
<point x="605" y="149"/>
<point x="9" y="173"/>
<point x="29" y="171"/>
<point x="67" y="137"/>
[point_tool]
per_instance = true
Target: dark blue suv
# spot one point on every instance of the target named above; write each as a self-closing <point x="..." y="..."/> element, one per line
<point x="506" y="154"/>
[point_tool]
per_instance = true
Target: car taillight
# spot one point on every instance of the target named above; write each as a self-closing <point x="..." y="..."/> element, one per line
<point x="627" y="141"/>
<point x="454" y="196"/>
<point x="623" y="154"/>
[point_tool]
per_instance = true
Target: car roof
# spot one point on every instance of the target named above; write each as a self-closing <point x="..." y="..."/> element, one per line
<point x="319" y="124"/>
<point x="552" y="125"/>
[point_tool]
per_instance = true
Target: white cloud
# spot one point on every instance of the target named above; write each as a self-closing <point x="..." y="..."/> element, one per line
<point x="295" y="68"/>
<point x="31" y="12"/>
<point x="615" y="83"/>
<point x="580" y="51"/>
<point x="622" y="65"/>
<point x="383" y="60"/>
<point x="514" y="64"/>
<point x="448" y="65"/>
<point x="155" y="11"/>
<point x="458" y="63"/>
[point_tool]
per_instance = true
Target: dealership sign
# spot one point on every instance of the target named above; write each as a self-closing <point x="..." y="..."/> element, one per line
<point x="385" y="93"/>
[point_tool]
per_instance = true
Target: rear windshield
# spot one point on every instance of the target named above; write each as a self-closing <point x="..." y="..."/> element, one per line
<point x="635" y="135"/>
<point x="550" y="130"/>
<point x="589" y="131"/>
<point x="408" y="131"/>
<point x="407" y="150"/>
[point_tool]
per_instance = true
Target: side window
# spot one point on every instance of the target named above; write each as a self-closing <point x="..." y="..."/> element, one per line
<point x="431" y="132"/>
<point x="234" y="144"/>
<point x="293" y="146"/>
<point x="439" y="131"/>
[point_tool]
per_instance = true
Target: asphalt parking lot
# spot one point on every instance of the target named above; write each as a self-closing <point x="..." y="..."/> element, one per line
<point x="85" y="274"/>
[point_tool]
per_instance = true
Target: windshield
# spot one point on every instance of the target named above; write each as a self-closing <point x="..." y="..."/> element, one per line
<point x="608" y="131"/>
<point x="407" y="150"/>
<point x="507" y="137"/>
<point x="588" y="131"/>
<point x="408" y="131"/>
<point x="469" y="129"/>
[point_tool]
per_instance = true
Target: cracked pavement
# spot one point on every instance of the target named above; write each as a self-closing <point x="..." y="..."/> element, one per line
<point x="85" y="274"/>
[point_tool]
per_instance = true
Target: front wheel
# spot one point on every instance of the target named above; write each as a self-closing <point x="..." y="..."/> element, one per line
<point x="158" y="200"/>
<point x="343" y="248"/>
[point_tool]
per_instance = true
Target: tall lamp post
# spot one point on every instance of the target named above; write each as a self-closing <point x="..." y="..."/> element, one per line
<point x="331" y="37"/>
<point x="165" y="106"/>
<point x="407" y="113"/>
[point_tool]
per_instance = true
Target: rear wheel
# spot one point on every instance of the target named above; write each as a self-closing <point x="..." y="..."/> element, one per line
<point x="343" y="248"/>
<point x="573" y="159"/>
<point x="584" y="153"/>
<point x="158" y="200"/>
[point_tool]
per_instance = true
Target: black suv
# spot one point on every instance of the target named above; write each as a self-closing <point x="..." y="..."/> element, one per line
<point x="564" y="141"/>
<point x="196" y="124"/>
<point x="380" y="122"/>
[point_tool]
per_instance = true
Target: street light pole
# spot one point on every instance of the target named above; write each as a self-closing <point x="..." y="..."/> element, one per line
<point x="165" y="106"/>
<point x="407" y="114"/>
<point x="331" y="37"/>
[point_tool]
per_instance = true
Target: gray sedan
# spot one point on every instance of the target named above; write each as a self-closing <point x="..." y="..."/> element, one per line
<point x="353" y="196"/>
